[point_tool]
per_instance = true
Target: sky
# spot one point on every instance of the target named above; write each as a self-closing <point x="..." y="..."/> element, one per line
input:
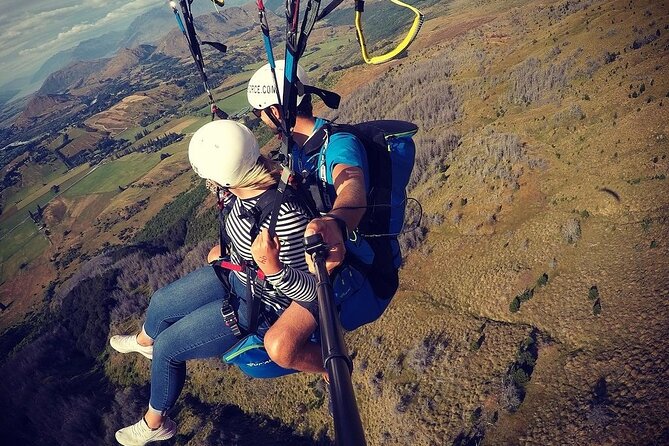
<point x="34" y="30"/>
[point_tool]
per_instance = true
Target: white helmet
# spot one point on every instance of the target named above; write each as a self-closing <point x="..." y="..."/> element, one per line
<point x="223" y="151"/>
<point x="261" y="91"/>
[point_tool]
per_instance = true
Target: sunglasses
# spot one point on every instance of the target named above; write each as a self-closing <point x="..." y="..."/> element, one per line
<point x="257" y="112"/>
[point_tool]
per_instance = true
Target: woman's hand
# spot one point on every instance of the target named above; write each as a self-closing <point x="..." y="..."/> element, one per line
<point x="214" y="254"/>
<point x="265" y="252"/>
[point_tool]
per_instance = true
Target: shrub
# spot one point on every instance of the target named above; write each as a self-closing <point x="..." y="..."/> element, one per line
<point x="597" y="307"/>
<point x="407" y="394"/>
<point x="526" y="295"/>
<point x="571" y="231"/>
<point x="520" y="378"/>
<point x="610" y="57"/>
<point x="543" y="280"/>
<point x="429" y="351"/>
<point x="593" y="293"/>
<point x="509" y="395"/>
<point x="531" y="82"/>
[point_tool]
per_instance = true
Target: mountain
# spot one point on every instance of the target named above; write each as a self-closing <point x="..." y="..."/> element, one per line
<point x="112" y="78"/>
<point x="148" y="27"/>
<point x="71" y="76"/>
<point x="10" y="89"/>
<point x="67" y="90"/>
<point x="90" y="49"/>
<point x="123" y="62"/>
<point x="87" y="74"/>
<point x="42" y="108"/>
<point x="212" y="26"/>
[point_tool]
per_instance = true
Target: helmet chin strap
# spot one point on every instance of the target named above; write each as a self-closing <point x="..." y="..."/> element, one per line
<point x="276" y="121"/>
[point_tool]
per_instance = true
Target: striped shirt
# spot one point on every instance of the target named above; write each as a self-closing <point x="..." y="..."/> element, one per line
<point x="293" y="282"/>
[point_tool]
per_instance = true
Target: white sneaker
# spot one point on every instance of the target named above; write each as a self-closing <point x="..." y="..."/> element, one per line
<point x="128" y="343"/>
<point x="139" y="433"/>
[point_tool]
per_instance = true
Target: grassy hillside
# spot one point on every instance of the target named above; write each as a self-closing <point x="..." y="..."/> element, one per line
<point x="535" y="309"/>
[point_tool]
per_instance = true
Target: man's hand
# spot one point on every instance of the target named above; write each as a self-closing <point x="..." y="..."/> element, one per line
<point x="265" y="252"/>
<point x="333" y="238"/>
<point x="220" y="114"/>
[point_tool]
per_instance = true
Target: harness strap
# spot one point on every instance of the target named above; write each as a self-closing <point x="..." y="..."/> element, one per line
<point x="329" y="8"/>
<point x="230" y="318"/>
<point x="239" y="268"/>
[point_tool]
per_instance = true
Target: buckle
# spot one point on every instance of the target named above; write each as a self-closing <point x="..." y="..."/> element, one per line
<point x="230" y="318"/>
<point x="228" y="314"/>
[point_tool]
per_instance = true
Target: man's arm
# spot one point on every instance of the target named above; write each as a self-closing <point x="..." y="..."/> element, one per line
<point x="349" y="206"/>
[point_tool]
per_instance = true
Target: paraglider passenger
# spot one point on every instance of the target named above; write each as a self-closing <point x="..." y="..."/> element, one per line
<point x="184" y="320"/>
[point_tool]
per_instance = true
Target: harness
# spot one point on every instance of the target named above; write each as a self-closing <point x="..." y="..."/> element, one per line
<point x="256" y="283"/>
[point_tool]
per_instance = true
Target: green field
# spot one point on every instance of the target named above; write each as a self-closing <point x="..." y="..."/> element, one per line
<point x="233" y="102"/>
<point x="16" y="214"/>
<point x="63" y="180"/>
<point x="121" y="172"/>
<point x="15" y="218"/>
<point x="196" y="125"/>
<point x="23" y="245"/>
<point x="129" y="133"/>
<point x="37" y="175"/>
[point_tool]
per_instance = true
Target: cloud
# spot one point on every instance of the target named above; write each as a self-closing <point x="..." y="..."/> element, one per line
<point x="35" y="22"/>
<point x="74" y="33"/>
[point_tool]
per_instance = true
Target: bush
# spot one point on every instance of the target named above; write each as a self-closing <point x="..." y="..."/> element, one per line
<point x="593" y="293"/>
<point x="429" y="351"/>
<point x="571" y="231"/>
<point x="526" y="295"/>
<point x="531" y="81"/>
<point x="407" y="394"/>
<point x="597" y="307"/>
<point x="543" y="280"/>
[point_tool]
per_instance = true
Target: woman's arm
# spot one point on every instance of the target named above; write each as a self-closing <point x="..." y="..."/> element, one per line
<point x="282" y="259"/>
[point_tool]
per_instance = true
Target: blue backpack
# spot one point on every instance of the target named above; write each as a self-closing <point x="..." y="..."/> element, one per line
<point x="390" y="152"/>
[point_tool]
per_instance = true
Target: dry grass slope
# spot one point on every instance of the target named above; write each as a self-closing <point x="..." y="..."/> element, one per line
<point x="542" y="165"/>
<point x="542" y="170"/>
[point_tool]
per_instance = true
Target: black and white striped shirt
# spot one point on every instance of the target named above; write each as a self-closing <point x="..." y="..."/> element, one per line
<point x="293" y="282"/>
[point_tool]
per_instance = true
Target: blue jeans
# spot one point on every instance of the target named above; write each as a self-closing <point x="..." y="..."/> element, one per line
<point x="184" y="320"/>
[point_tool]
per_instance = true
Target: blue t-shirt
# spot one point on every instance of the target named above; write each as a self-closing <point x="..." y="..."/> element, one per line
<point x="341" y="148"/>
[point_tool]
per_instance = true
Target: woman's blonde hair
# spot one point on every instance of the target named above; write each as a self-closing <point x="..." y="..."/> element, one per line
<point x="265" y="173"/>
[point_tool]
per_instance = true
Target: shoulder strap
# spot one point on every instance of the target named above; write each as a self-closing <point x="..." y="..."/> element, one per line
<point x="223" y="212"/>
<point x="316" y="141"/>
<point x="265" y="205"/>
